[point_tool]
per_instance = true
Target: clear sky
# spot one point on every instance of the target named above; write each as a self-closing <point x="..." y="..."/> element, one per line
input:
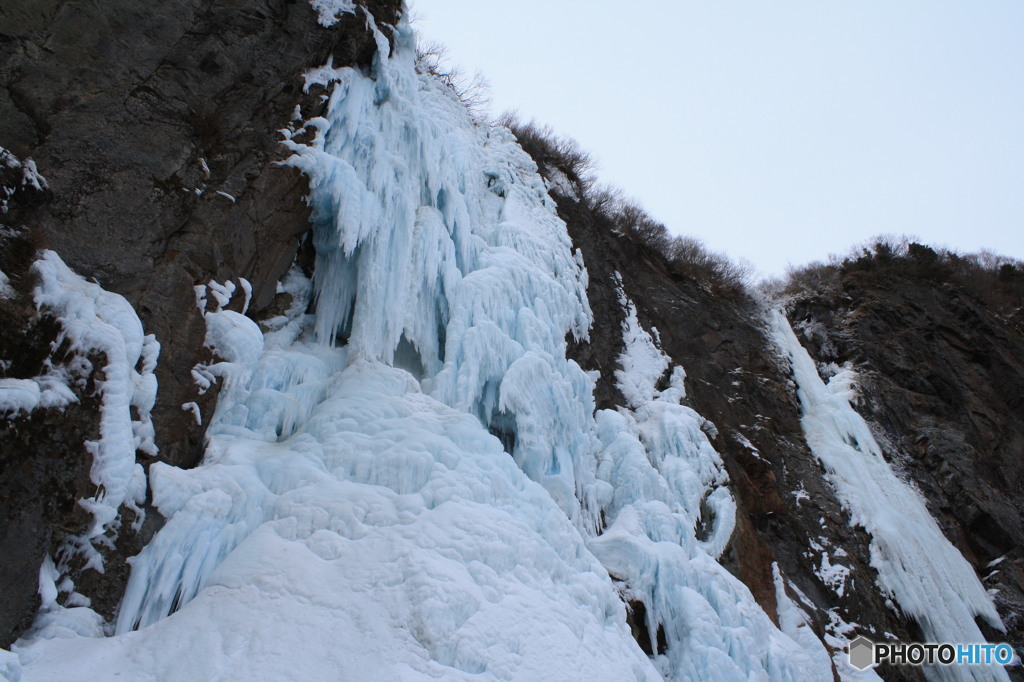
<point x="780" y="131"/>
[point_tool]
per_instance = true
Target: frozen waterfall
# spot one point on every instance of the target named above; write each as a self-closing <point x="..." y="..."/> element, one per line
<point x="413" y="482"/>
<point x="917" y="566"/>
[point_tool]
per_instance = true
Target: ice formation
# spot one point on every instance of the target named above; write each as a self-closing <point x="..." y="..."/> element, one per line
<point x="30" y="177"/>
<point x="917" y="566"/>
<point x="95" y="321"/>
<point x="330" y="11"/>
<point x="793" y="621"/>
<point x="6" y="290"/>
<point x="671" y="516"/>
<point x="95" y="325"/>
<point x="413" y="482"/>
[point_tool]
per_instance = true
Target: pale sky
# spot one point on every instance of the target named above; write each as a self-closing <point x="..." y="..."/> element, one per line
<point x="779" y="131"/>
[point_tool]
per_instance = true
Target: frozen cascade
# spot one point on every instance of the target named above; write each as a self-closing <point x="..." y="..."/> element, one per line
<point x="917" y="566"/>
<point x="439" y="250"/>
<point x="358" y="514"/>
<point x="666" y="476"/>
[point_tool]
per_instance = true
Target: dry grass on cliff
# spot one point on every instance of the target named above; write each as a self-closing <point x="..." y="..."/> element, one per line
<point x="473" y="91"/>
<point x="996" y="281"/>
<point x="552" y="151"/>
<point x="686" y="256"/>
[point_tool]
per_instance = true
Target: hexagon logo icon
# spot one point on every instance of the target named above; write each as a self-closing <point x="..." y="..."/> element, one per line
<point x="862" y="653"/>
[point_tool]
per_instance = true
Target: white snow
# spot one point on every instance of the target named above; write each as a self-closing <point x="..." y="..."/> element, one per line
<point x="247" y="289"/>
<point x="832" y="575"/>
<point x="26" y="395"/>
<point x="838" y="634"/>
<point x="94" y="324"/>
<point x="670" y="517"/>
<point x="331" y="10"/>
<point x="193" y="408"/>
<point x="30" y="177"/>
<point x="221" y="293"/>
<point x="10" y="666"/>
<point x="233" y="337"/>
<point x="745" y="442"/>
<point x="917" y="566"/>
<point x="94" y="321"/>
<point x="6" y="290"/>
<point x="557" y="182"/>
<point x="793" y="621"/>
<point x="642" y="362"/>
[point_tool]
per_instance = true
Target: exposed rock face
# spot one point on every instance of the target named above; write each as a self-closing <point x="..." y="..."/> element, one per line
<point x="41" y="483"/>
<point x="942" y="384"/>
<point x="154" y="124"/>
